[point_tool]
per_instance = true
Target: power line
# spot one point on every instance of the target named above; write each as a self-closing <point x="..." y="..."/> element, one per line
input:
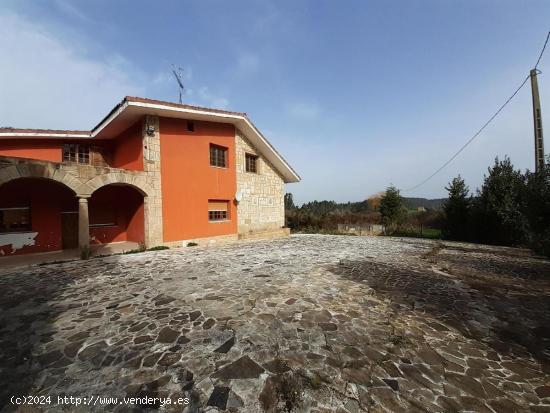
<point x="484" y="125"/>
<point x="542" y="51"/>
<point x="472" y="138"/>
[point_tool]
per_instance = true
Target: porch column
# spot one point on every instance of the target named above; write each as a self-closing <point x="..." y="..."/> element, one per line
<point x="83" y="223"/>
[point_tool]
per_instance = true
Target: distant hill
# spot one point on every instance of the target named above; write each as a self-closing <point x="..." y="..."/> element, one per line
<point x="414" y="203"/>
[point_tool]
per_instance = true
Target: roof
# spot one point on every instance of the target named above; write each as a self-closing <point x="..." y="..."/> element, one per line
<point x="131" y="108"/>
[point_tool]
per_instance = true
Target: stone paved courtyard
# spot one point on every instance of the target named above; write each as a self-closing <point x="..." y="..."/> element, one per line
<point x="307" y="323"/>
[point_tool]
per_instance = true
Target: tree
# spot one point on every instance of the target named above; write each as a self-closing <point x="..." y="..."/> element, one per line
<point x="498" y="216"/>
<point x="392" y="208"/>
<point x="536" y="208"/>
<point x="456" y="210"/>
<point x="289" y="201"/>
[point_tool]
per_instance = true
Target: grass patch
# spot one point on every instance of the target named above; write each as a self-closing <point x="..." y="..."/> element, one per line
<point x="428" y="233"/>
<point x="85" y="253"/>
<point x="159" y="248"/>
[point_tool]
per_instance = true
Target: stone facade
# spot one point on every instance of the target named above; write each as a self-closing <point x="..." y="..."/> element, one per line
<point x="151" y="166"/>
<point x="261" y="208"/>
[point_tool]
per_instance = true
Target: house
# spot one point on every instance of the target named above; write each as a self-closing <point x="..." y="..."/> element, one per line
<point x="150" y="172"/>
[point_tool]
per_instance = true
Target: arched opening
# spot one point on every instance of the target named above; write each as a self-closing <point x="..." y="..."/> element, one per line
<point x="116" y="214"/>
<point x="37" y="215"/>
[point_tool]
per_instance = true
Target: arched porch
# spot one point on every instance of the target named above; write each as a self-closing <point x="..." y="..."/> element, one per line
<point x="34" y="214"/>
<point x="44" y="215"/>
<point x="116" y="214"/>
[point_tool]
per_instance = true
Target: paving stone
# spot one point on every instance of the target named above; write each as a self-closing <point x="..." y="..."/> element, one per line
<point x="277" y="366"/>
<point x="394" y="384"/>
<point x="467" y="384"/>
<point x="328" y="326"/>
<point x="49" y="358"/>
<point x="243" y="368"/>
<point x="169" y="358"/>
<point x="93" y="350"/>
<point x="543" y="391"/>
<point x="218" y="397"/>
<point x="208" y="324"/>
<point x="71" y="349"/>
<point x="225" y="347"/>
<point x="167" y="335"/>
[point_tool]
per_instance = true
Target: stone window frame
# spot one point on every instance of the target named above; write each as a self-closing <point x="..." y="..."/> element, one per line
<point x="256" y="158"/>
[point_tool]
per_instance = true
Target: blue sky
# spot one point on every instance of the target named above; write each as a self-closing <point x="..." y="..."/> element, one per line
<point x="355" y="94"/>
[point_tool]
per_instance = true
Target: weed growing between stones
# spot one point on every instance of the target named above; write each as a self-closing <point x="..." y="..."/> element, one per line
<point x="283" y="392"/>
<point x="85" y="253"/>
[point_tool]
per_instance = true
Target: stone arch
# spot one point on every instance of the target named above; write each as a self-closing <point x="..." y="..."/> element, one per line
<point x="38" y="170"/>
<point x="121" y="178"/>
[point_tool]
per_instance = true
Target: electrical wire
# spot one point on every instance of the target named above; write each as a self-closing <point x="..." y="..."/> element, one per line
<point x="542" y="51"/>
<point x="484" y="125"/>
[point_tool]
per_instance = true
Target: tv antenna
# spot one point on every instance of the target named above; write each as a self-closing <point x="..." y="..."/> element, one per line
<point x="178" y="73"/>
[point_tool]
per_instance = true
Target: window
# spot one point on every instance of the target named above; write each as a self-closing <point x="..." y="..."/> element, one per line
<point x="251" y="162"/>
<point x="15" y="219"/>
<point x="190" y="126"/>
<point x="218" y="156"/>
<point x="102" y="216"/>
<point x="73" y="152"/>
<point x="218" y="211"/>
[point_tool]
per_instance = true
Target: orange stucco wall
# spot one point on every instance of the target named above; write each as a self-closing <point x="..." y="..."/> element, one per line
<point x="124" y="151"/>
<point x="128" y="149"/>
<point x="31" y="149"/>
<point x="188" y="180"/>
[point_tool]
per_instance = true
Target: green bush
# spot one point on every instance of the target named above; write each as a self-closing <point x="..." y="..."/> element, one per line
<point x="159" y="248"/>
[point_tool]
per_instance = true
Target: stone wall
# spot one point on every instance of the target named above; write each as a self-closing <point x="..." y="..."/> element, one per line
<point x="151" y="165"/>
<point x="262" y="206"/>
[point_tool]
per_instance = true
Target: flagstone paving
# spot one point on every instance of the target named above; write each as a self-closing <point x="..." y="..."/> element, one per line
<point x="307" y="323"/>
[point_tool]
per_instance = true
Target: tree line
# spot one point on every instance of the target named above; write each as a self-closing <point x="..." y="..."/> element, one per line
<point x="510" y="208"/>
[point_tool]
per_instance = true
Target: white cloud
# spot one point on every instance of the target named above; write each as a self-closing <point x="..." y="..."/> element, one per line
<point x="303" y="110"/>
<point x="71" y="10"/>
<point x="47" y="82"/>
<point x="205" y="97"/>
<point x="247" y="64"/>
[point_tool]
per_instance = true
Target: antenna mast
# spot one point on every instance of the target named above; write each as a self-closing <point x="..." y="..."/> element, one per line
<point x="178" y="74"/>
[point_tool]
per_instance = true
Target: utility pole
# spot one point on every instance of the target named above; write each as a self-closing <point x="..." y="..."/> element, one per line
<point x="537" y="122"/>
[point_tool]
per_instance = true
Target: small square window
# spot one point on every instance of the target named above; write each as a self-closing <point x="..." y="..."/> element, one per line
<point x="190" y="126"/>
<point x="15" y="219"/>
<point x="218" y="210"/>
<point x="218" y="156"/>
<point x="73" y="152"/>
<point x="251" y="163"/>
